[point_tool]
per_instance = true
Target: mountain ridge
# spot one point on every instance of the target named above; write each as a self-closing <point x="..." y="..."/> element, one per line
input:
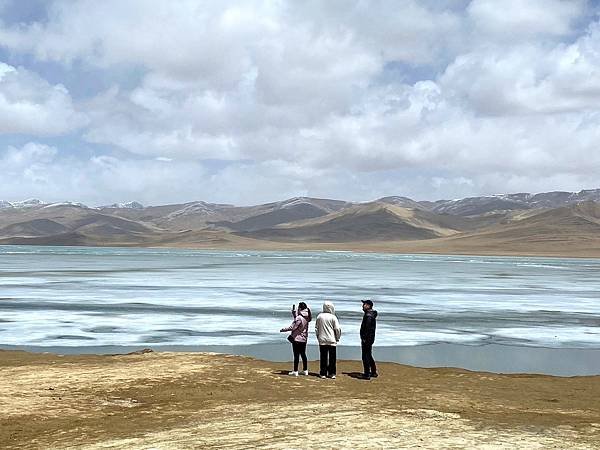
<point x="513" y="223"/>
<point x="512" y="201"/>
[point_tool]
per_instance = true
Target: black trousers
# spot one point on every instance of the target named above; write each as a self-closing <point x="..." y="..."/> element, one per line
<point x="299" y="349"/>
<point x="328" y="356"/>
<point x="367" y="358"/>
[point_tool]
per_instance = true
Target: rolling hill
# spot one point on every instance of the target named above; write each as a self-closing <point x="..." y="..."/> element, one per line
<point x="506" y="224"/>
<point x="375" y="221"/>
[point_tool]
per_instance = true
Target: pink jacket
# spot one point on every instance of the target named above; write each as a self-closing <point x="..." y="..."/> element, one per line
<point x="299" y="326"/>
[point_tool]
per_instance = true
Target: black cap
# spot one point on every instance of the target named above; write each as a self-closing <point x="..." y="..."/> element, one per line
<point x="367" y="302"/>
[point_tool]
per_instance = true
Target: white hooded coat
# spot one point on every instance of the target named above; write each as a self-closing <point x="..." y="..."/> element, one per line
<point x="327" y="326"/>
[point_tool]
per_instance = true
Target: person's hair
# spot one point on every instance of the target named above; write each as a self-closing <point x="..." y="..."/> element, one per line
<point x="302" y="306"/>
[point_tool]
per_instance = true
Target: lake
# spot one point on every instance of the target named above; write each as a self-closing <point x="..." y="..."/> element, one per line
<point x="87" y="297"/>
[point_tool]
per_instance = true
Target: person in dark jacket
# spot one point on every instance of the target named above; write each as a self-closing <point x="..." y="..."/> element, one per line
<point x="367" y="339"/>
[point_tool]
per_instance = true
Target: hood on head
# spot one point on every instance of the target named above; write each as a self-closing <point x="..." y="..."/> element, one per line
<point x="328" y="307"/>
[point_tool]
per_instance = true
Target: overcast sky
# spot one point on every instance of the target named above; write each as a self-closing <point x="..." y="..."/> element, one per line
<point x="253" y="101"/>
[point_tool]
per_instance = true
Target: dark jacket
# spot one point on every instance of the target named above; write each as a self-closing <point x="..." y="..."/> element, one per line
<point x="367" y="328"/>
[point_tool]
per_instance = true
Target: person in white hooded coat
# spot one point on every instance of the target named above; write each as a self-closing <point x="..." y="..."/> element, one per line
<point x="328" y="332"/>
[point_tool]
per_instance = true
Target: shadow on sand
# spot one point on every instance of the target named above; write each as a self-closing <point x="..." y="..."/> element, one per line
<point x="357" y="375"/>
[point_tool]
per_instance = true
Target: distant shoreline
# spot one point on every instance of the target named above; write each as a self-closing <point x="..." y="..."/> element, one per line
<point x="493" y="358"/>
<point x="392" y="247"/>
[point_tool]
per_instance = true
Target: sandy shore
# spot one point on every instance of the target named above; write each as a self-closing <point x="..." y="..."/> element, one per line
<point x="201" y="400"/>
<point x="568" y="247"/>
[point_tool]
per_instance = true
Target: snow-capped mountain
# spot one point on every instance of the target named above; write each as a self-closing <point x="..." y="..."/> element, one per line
<point x="197" y="208"/>
<point x="35" y="203"/>
<point x="29" y="203"/>
<point x="128" y="205"/>
<point x="481" y="205"/>
<point x="67" y="203"/>
<point x="403" y="202"/>
<point x="319" y="203"/>
<point x="472" y="206"/>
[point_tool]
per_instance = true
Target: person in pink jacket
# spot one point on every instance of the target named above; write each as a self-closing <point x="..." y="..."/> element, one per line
<point x="299" y="336"/>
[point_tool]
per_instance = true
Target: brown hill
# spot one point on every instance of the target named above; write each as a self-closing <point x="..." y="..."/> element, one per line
<point x="275" y="217"/>
<point x="198" y="215"/>
<point x="572" y="230"/>
<point x="562" y="223"/>
<point x="567" y="231"/>
<point x="367" y="222"/>
<point x="56" y="239"/>
<point x="47" y="225"/>
<point x="175" y="216"/>
<point x="34" y="227"/>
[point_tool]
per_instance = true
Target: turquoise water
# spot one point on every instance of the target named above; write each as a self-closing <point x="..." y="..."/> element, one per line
<point x="76" y="296"/>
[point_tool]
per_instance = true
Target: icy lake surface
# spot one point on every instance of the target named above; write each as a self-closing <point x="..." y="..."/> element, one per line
<point x="76" y="296"/>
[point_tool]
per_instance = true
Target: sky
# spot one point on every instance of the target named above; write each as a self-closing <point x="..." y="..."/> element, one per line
<point x="246" y="102"/>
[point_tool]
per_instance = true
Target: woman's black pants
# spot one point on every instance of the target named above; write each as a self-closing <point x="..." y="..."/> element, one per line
<point x="299" y="349"/>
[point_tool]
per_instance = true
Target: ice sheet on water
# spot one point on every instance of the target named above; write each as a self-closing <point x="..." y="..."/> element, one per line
<point x="553" y="336"/>
<point x="390" y="337"/>
<point x="140" y="293"/>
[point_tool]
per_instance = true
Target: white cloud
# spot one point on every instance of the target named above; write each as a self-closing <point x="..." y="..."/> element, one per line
<point x="27" y="165"/>
<point x="190" y="37"/>
<point x="528" y="79"/>
<point x="30" y="153"/>
<point x="30" y="105"/>
<point x="512" y="20"/>
<point x="302" y="97"/>
<point x="36" y="170"/>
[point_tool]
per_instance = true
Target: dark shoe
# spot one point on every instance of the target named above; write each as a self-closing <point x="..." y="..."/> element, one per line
<point x="365" y="376"/>
<point x="374" y="375"/>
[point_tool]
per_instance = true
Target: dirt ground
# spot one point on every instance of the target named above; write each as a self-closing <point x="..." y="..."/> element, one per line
<point x="558" y="244"/>
<point x="199" y="400"/>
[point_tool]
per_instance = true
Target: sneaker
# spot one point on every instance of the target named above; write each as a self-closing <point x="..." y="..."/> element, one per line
<point x="333" y="377"/>
<point x="322" y="376"/>
<point x="374" y="375"/>
<point x="304" y="372"/>
<point x="293" y="373"/>
<point x="365" y="376"/>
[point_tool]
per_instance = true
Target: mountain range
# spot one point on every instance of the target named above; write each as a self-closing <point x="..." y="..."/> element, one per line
<point x="552" y="223"/>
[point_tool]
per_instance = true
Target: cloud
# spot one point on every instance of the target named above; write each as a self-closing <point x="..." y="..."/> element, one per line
<point x="38" y="170"/>
<point x="27" y="165"/>
<point x="30" y="105"/>
<point x="30" y="153"/>
<point x="514" y="20"/>
<point x="189" y="39"/>
<point x="528" y="79"/>
<point x="323" y="98"/>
